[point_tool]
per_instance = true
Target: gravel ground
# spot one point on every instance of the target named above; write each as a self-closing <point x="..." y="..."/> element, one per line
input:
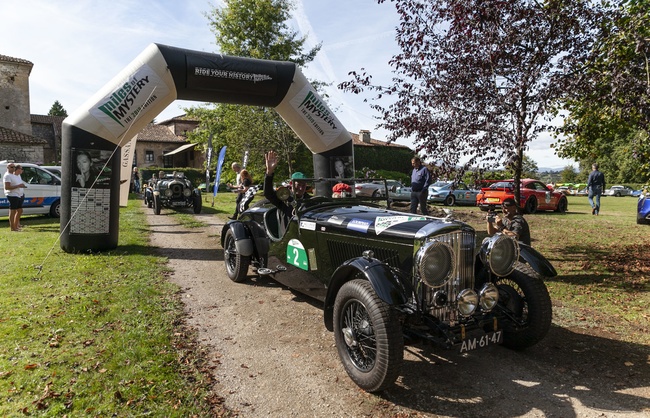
<point x="273" y="357"/>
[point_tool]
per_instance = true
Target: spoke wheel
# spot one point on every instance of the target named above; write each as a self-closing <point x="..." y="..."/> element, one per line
<point x="236" y="264"/>
<point x="368" y="336"/>
<point x="526" y="304"/>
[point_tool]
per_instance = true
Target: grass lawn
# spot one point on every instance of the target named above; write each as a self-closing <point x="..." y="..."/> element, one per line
<point x="101" y="334"/>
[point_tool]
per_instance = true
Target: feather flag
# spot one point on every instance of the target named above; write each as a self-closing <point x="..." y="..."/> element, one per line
<point x="222" y="157"/>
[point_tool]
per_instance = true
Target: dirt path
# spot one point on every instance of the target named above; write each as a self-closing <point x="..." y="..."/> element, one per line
<point x="273" y="356"/>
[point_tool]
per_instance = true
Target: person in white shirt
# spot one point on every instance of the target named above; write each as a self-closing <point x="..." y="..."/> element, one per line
<point x="14" y="186"/>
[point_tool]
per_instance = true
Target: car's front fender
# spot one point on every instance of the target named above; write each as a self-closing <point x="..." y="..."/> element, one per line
<point x="385" y="282"/>
<point x="537" y="261"/>
<point x="243" y="241"/>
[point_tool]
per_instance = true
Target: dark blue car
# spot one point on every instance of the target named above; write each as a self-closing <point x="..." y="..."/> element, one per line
<point x="643" y="210"/>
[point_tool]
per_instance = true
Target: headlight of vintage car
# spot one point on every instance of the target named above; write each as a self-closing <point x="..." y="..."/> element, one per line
<point x="435" y="263"/>
<point x="467" y="302"/>
<point x="488" y="297"/>
<point x="187" y="192"/>
<point x="500" y="252"/>
<point x="168" y="192"/>
<point x="283" y="193"/>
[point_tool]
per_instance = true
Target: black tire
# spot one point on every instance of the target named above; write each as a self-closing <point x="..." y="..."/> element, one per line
<point x="197" y="203"/>
<point x="236" y="264"/>
<point x="525" y="300"/>
<point x="450" y="200"/>
<point x="55" y="209"/>
<point x="562" y="205"/>
<point x="617" y="194"/>
<point x="368" y="336"/>
<point x="531" y="205"/>
<point x="149" y="203"/>
<point x="156" y="205"/>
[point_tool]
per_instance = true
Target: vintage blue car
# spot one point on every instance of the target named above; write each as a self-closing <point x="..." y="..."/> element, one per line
<point x="643" y="210"/>
<point x="385" y="278"/>
<point x="452" y="194"/>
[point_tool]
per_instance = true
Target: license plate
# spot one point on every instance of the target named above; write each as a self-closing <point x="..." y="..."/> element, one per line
<point x="492" y="199"/>
<point x="485" y="340"/>
<point x="178" y="203"/>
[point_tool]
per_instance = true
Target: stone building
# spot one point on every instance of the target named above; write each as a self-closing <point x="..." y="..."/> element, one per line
<point x="380" y="155"/>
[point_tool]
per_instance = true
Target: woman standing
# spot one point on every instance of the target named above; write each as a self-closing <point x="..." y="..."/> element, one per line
<point x="14" y="190"/>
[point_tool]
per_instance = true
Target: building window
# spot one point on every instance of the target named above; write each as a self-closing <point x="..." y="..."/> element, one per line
<point x="148" y="156"/>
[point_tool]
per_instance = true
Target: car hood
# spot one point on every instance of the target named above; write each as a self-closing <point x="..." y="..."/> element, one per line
<point x="369" y="221"/>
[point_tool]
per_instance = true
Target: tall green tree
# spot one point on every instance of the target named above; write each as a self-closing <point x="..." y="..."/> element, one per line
<point x="255" y="29"/>
<point x="609" y="108"/>
<point x="475" y="77"/>
<point x="57" y="110"/>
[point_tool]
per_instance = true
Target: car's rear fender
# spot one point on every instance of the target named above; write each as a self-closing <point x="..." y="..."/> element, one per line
<point x="243" y="241"/>
<point x="385" y="282"/>
<point x="537" y="261"/>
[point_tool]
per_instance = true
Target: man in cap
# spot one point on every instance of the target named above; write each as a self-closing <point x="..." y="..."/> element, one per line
<point x="298" y="184"/>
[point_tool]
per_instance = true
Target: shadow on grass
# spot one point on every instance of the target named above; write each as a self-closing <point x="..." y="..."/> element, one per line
<point x="563" y="370"/>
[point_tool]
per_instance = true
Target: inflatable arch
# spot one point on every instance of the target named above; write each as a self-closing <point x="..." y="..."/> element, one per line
<point x="100" y="131"/>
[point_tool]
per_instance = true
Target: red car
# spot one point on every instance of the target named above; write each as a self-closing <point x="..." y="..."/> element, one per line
<point x="535" y="196"/>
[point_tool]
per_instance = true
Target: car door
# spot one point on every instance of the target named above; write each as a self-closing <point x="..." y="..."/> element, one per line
<point x="545" y="198"/>
<point x="43" y="189"/>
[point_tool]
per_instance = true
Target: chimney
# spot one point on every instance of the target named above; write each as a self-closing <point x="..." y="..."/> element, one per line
<point x="365" y="136"/>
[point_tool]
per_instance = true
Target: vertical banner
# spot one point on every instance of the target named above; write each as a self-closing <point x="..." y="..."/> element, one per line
<point x="217" y="174"/>
<point x="126" y="170"/>
<point x="208" y="163"/>
<point x="245" y="159"/>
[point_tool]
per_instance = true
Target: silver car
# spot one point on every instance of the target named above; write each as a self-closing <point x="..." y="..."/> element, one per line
<point x="618" y="191"/>
<point x="375" y="188"/>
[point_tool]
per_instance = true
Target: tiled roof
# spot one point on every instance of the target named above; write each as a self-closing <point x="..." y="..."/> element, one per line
<point x="56" y="121"/>
<point x="356" y="141"/>
<point x="158" y="133"/>
<point x="17" y="60"/>
<point x="183" y="117"/>
<point x="10" y="136"/>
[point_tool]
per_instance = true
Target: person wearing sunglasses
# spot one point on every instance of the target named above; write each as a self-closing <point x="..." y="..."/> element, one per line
<point x="14" y="192"/>
<point x="511" y="223"/>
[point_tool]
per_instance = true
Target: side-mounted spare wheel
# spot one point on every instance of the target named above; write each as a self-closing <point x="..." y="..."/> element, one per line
<point x="368" y="336"/>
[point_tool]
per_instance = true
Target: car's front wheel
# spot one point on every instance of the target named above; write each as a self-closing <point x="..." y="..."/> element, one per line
<point x="156" y="205"/>
<point x="450" y="200"/>
<point x="526" y="305"/>
<point x="368" y="336"/>
<point x="236" y="264"/>
<point x="197" y="203"/>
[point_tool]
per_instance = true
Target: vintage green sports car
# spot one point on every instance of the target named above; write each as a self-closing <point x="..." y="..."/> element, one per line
<point x="385" y="277"/>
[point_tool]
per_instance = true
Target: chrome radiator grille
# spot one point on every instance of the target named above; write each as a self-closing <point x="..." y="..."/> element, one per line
<point x="463" y="244"/>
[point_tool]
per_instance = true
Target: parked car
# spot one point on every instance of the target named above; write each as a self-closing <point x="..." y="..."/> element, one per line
<point x="618" y="191"/>
<point x="534" y="196"/>
<point x="382" y="275"/>
<point x="54" y="169"/>
<point x="643" y="210"/>
<point x="175" y="191"/>
<point x="453" y="194"/>
<point x="377" y="188"/>
<point x="42" y="194"/>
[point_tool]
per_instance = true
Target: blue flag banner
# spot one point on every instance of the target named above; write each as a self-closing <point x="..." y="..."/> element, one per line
<point x="222" y="157"/>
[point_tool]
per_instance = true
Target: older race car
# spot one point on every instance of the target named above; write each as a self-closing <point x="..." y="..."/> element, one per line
<point x="387" y="277"/>
<point x="175" y="191"/>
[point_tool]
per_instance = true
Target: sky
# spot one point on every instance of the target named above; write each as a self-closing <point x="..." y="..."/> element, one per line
<point x="79" y="46"/>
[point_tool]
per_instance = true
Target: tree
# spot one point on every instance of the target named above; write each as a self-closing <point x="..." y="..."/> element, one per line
<point x="475" y="77"/>
<point x="568" y="175"/>
<point x="609" y="107"/>
<point x="254" y="29"/>
<point x="57" y="110"/>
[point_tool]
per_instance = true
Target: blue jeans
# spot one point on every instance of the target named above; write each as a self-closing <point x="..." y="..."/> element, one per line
<point x="594" y="200"/>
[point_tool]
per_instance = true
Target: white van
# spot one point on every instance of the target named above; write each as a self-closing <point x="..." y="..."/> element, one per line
<point x="42" y="194"/>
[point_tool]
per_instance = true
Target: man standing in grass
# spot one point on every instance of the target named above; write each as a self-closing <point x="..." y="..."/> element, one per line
<point x="595" y="186"/>
<point x="14" y="185"/>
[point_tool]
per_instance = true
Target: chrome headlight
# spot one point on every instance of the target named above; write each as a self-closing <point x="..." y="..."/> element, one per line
<point x="467" y="301"/>
<point x="488" y="297"/>
<point x="187" y="192"/>
<point x="500" y="253"/>
<point x="435" y="263"/>
<point x="168" y="192"/>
